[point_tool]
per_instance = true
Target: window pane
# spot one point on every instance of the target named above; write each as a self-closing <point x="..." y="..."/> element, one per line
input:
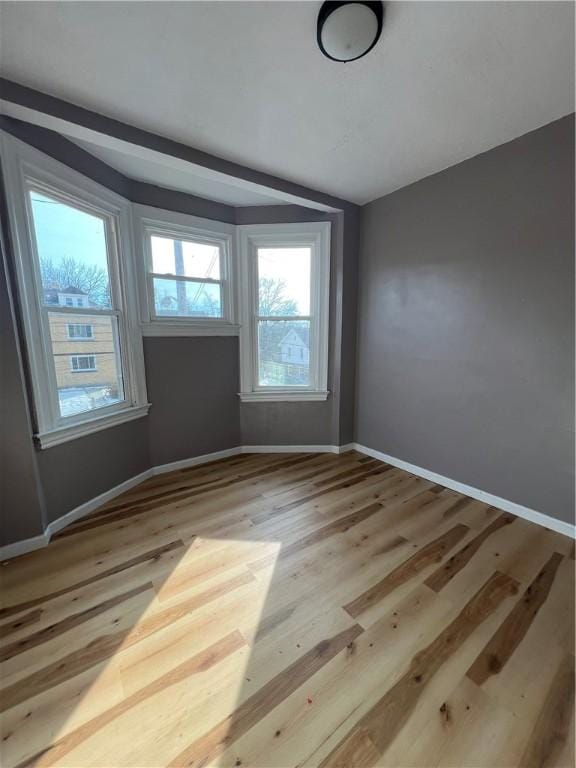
<point x="283" y="353"/>
<point x="185" y="257"/>
<point x="284" y="281"/>
<point x="184" y="298"/>
<point x="72" y="251"/>
<point x="87" y="372"/>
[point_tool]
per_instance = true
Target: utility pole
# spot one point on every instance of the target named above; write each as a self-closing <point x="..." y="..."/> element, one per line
<point x="180" y="284"/>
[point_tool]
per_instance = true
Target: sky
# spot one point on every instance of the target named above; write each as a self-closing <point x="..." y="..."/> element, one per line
<point x="200" y="259"/>
<point x="292" y="265"/>
<point x="63" y="231"/>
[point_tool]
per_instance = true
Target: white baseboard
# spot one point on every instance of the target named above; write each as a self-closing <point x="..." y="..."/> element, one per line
<point x="293" y="449"/>
<point x="173" y="466"/>
<point x="37" y="542"/>
<point x="567" y="529"/>
<point x="9" y="551"/>
<point x="97" y="501"/>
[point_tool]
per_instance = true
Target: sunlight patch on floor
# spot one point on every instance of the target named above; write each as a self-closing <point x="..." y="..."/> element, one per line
<point x="197" y="604"/>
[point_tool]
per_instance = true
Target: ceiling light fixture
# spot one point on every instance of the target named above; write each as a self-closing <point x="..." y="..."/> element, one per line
<point x="346" y="31"/>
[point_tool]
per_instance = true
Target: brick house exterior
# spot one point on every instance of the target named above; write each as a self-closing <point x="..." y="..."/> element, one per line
<point x="83" y="345"/>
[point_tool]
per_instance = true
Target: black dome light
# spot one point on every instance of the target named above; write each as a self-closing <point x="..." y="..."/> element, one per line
<point x="346" y="30"/>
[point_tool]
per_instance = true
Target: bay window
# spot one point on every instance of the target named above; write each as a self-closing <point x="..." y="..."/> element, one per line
<point x="86" y="297"/>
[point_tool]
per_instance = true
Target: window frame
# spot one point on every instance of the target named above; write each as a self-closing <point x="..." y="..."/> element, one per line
<point x="251" y="237"/>
<point x="150" y="221"/>
<point x="89" y="337"/>
<point x="26" y="168"/>
<point x="79" y="369"/>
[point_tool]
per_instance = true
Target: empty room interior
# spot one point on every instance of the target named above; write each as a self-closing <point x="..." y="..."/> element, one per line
<point x="287" y="384"/>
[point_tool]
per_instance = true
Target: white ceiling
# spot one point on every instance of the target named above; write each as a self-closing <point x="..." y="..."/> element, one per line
<point x="246" y="81"/>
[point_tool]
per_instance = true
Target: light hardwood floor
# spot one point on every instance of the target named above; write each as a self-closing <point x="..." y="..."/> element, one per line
<point x="291" y="610"/>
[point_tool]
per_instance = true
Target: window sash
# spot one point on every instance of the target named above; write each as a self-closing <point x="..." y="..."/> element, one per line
<point x="257" y="319"/>
<point x="32" y="183"/>
<point x="178" y="227"/>
<point x="116" y="299"/>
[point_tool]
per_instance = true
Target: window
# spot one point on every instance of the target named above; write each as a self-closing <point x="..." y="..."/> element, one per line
<point x="79" y="306"/>
<point x="81" y="363"/>
<point x="285" y="286"/>
<point x="80" y="331"/>
<point x="188" y="287"/>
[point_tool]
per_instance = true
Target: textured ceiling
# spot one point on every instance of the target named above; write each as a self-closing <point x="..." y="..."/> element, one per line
<point x="245" y="80"/>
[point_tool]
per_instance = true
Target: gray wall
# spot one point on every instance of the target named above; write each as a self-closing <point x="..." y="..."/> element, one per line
<point x="465" y="359"/>
<point x="78" y="471"/>
<point x="193" y="385"/>
<point x="21" y="500"/>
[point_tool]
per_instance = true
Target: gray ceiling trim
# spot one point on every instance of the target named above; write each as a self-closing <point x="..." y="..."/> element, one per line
<point x="65" y="151"/>
<point x="58" y="108"/>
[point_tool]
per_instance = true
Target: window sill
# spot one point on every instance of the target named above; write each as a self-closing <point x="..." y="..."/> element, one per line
<point x="65" y="434"/>
<point x="281" y="396"/>
<point x="172" y="328"/>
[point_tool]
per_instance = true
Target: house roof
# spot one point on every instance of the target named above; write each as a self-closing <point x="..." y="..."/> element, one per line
<point x="73" y="289"/>
<point x="51" y="294"/>
<point x="303" y="335"/>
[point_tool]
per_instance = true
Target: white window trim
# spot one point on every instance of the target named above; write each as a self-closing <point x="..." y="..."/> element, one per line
<point x="148" y="221"/>
<point x="250" y="237"/>
<point x="82" y="370"/>
<point x="20" y="163"/>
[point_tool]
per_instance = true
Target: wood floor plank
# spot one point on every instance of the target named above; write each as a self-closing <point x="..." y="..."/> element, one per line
<point x="203" y="660"/>
<point x="290" y="609"/>
<point x="153" y="554"/>
<point x="68" y="624"/>
<point x="248" y="714"/>
<point x="512" y="631"/>
<point x="430" y="554"/>
<point x="379" y="727"/>
<point x="552" y="730"/>
<point x="454" y="564"/>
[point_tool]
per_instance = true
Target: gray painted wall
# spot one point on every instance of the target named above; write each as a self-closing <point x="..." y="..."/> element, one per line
<point x="78" y="471"/>
<point x="21" y="500"/>
<point x="193" y="386"/>
<point x="466" y="327"/>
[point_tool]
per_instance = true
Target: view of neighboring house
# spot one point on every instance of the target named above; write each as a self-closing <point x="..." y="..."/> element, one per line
<point x="294" y="347"/>
<point x="84" y="355"/>
<point x="66" y="297"/>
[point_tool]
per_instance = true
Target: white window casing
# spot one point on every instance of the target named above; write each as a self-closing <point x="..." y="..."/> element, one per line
<point x="316" y="236"/>
<point x="25" y="168"/>
<point x="149" y="222"/>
